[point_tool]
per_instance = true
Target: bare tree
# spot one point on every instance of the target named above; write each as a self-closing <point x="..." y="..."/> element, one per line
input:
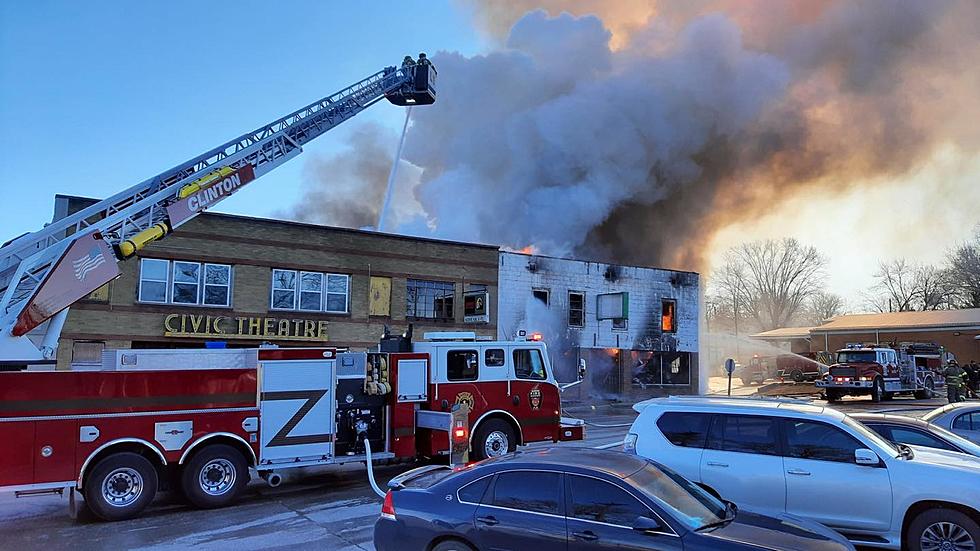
<point x="894" y="287"/>
<point x="903" y="286"/>
<point x="823" y="306"/>
<point x="964" y="271"/>
<point x="770" y="280"/>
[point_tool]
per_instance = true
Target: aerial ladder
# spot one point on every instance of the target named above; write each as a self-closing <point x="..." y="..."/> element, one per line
<point x="43" y="273"/>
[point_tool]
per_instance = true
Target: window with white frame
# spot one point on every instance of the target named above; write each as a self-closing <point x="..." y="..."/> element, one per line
<point x="310" y="291"/>
<point x="184" y="283"/>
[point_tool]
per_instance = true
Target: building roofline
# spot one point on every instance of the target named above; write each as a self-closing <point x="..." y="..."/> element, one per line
<point x="600" y="262"/>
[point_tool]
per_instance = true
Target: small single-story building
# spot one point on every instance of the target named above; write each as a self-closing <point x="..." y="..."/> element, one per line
<point x="957" y="331"/>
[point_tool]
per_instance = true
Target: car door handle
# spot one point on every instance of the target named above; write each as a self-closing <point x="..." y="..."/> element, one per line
<point x="588" y="535"/>
<point x="799" y="472"/>
<point x="716" y="464"/>
<point x="489" y="521"/>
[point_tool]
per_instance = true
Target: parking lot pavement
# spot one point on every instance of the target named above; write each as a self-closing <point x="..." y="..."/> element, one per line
<point x="320" y="508"/>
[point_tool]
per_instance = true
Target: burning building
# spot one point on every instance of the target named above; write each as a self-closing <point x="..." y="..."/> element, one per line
<point x="636" y="327"/>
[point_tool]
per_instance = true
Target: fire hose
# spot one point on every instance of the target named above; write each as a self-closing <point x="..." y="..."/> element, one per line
<point x="601" y="426"/>
<point x="370" y="469"/>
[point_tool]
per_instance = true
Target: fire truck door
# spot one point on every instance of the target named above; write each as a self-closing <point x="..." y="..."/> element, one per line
<point x="297" y="411"/>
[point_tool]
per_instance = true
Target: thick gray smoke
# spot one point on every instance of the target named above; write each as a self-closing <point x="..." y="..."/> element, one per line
<point x="637" y="147"/>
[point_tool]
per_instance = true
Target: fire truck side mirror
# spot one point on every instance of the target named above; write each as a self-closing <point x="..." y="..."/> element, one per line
<point x="581" y="369"/>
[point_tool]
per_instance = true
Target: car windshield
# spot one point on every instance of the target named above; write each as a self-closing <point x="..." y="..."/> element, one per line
<point x="686" y="502"/>
<point x="855" y="356"/>
<point x="869" y="434"/>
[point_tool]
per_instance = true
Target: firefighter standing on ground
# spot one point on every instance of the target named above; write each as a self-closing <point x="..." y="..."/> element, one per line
<point x="972" y="380"/>
<point x="954" y="381"/>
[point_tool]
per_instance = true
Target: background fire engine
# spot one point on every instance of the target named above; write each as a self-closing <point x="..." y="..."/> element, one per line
<point x="885" y="371"/>
<point x="199" y="420"/>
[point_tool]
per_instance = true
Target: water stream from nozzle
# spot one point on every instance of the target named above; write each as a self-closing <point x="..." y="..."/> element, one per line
<point x="383" y="216"/>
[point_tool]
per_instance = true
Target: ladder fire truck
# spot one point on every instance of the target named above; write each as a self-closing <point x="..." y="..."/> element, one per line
<point x="200" y="420"/>
<point x="883" y="371"/>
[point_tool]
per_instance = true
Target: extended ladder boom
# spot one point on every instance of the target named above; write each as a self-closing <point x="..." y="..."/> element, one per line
<point x="134" y="217"/>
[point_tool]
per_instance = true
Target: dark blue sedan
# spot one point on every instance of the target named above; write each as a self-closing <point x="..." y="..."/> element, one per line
<point x="571" y="499"/>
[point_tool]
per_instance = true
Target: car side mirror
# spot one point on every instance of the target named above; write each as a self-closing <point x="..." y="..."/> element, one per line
<point x="866" y="457"/>
<point x="581" y="369"/>
<point x="646" y="524"/>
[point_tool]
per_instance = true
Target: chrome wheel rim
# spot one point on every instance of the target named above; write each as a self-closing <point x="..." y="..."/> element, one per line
<point x="497" y="444"/>
<point x="946" y="536"/>
<point x="122" y="487"/>
<point x="217" y="477"/>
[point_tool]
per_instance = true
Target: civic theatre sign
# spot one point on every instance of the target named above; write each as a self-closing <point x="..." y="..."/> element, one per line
<point x="243" y="327"/>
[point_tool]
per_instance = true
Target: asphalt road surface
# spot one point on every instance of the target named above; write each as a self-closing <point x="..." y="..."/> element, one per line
<point x="318" y="508"/>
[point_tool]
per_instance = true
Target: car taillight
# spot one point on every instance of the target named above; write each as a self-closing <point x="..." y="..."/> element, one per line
<point x="629" y="443"/>
<point x="388" y="509"/>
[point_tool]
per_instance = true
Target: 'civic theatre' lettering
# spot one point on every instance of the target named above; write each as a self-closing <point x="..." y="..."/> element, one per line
<point x="243" y="327"/>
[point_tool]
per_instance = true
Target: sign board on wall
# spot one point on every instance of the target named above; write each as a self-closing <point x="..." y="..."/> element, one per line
<point x="613" y="306"/>
<point x="476" y="307"/>
<point x="243" y="327"/>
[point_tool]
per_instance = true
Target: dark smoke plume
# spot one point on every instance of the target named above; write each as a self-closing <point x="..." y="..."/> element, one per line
<point x="633" y="131"/>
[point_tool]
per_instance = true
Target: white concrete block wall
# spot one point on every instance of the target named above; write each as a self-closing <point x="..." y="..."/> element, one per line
<point x="646" y="287"/>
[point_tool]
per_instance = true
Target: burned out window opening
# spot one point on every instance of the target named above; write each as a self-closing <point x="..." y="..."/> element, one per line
<point x="528" y="364"/>
<point x="184" y="283"/>
<point x="668" y="316"/>
<point x="576" y="309"/>
<point x="462" y="365"/>
<point x="544" y="295"/>
<point x="310" y="291"/>
<point x="659" y="368"/>
<point x="430" y="299"/>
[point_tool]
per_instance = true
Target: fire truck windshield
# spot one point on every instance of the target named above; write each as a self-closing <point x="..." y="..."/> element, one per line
<point x="855" y="356"/>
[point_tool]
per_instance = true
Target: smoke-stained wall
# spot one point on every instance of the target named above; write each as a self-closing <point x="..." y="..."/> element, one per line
<point x="518" y="309"/>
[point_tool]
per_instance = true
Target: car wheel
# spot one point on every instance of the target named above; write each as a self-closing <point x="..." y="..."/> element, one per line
<point x="494" y="438"/>
<point x="943" y="530"/>
<point x="877" y="390"/>
<point x="451" y="545"/>
<point x="120" y="486"/>
<point x="214" y="477"/>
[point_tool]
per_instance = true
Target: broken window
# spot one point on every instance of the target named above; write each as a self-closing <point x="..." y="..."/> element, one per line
<point x="542" y="295"/>
<point x="668" y="316"/>
<point x="430" y="299"/>
<point x="576" y="309"/>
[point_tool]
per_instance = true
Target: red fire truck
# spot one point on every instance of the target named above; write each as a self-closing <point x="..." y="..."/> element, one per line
<point x="199" y="420"/>
<point x="885" y="371"/>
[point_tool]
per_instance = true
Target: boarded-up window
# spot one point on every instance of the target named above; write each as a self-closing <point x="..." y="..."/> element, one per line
<point x="87" y="352"/>
<point x="380" y="303"/>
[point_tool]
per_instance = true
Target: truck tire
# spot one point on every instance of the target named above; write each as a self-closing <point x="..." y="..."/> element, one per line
<point x="877" y="390"/>
<point x="936" y="527"/>
<point x="214" y="477"/>
<point x="493" y="438"/>
<point x="797" y="376"/>
<point x="120" y="486"/>
<point x="834" y="396"/>
<point x="926" y="392"/>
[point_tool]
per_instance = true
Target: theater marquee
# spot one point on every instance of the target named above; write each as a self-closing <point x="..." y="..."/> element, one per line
<point x="243" y="327"/>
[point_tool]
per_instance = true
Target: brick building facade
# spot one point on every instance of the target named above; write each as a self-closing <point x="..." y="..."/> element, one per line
<point x="652" y="349"/>
<point x="236" y="281"/>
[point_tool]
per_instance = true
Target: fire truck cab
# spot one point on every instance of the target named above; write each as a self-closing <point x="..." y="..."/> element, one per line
<point x="884" y="371"/>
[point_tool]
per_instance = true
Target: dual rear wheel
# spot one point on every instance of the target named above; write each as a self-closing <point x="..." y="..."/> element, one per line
<point x="122" y="484"/>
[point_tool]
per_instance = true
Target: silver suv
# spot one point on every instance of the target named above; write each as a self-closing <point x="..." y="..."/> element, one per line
<point x="783" y="456"/>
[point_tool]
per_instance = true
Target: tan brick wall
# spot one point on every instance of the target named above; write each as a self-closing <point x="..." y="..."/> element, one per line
<point x="254" y="247"/>
<point x="964" y="346"/>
